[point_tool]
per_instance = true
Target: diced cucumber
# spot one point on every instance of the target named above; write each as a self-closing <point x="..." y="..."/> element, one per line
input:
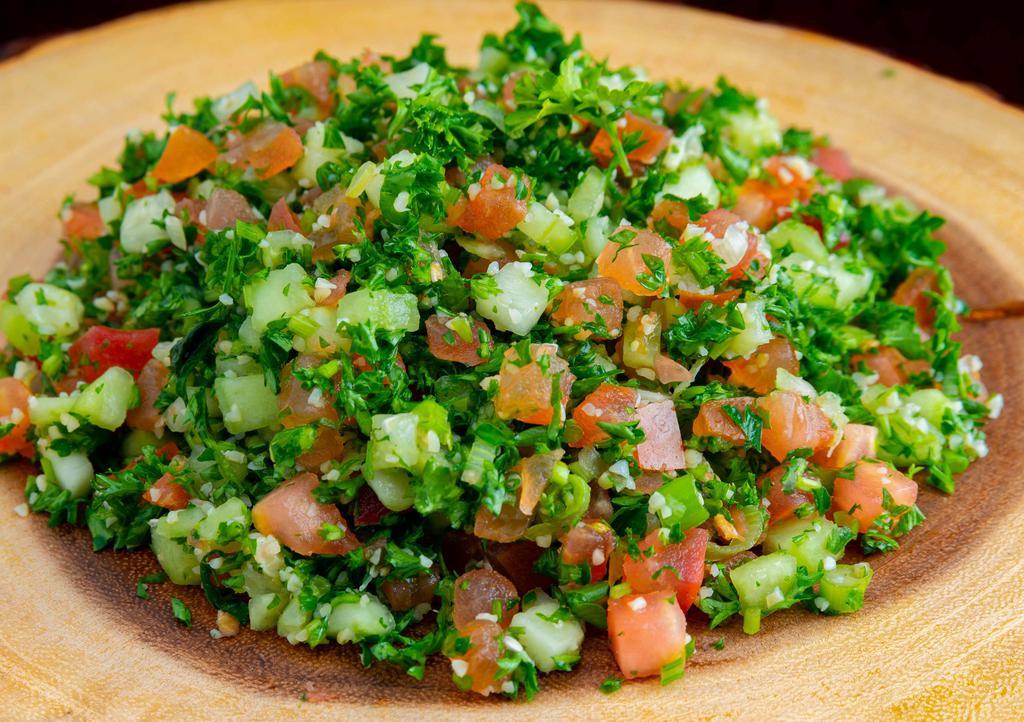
<point x="493" y="61"/>
<point x="272" y="247"/>
<point x="843" y="587"/>
<point x="800" y="237"/>
<point x="588" y="198"/>
<point x="136" y="440"/>
<point x="762" y="584"/>
<point x="292" y="619"/>
<point x="357" y="616"/>
<point x="549" y="634"/>
<point x="756" y="331"/>
<point x="226" y="105"/>
<point x="549" y="229"/>
<point x="18" y="330"/>
<point x="392" y="487"/>
<point x="933" y="404"/>
<point x="246" y="402"/>
<point x="383" y="309"/>
<point x="679" y="502"/>
<point x="433" y="432"/>
<point x="72" y="473"/>
<point x="641" y="341"/>
<point x="315" y="154"/>
<point x="257" y="581"/>
<point x="831" y="285"/>
<point x="480" y="454"/>
<point x="518" y="301"/>
<point x="393" y="441"/>
<point x="595" y="237"/>
<point x="105" y="402"/>
<point x="808" y="540"/>
<point x="751" y="130"/>
<point x="317" y="328"/>
<point x="694" y="181"/>
<point x="237" y="365"/>
<point x="402" y="84"/>
<point x="169" y="537"/>
<point x="139" y="229"/>
<point x="47" y="410"/>
<point x="231" y="519"/>
<point x="265" y="610"/>
<point x="52" y="311"/>
<point x="282" y="294"/>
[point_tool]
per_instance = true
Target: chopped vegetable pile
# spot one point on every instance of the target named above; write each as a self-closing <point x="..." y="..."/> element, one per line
<point x="430" y="360"/>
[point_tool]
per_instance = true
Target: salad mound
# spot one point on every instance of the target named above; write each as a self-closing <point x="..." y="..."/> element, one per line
<point x="479" y="362"/>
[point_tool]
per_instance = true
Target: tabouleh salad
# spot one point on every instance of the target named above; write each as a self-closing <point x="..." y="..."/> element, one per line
<point x="477" y="362"/>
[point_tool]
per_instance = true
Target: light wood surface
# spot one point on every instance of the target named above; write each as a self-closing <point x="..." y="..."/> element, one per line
<point x="942" y="633"/>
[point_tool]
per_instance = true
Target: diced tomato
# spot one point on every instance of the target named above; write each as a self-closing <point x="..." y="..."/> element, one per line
<point x="535" y="473"/>
<point x="167" y="493"/>
<point x="790" y="423"/>
<point x="403" y="594"/>
<point x="590" y="542"/>
<point x="315" y="78"/>
<point x="225" y="207"/>
<point x="678" y="567"/>
<point x="14" y="397"/>
<point x="834" y="161"/>
<point x="293" y="515"/>
<point x="269" y="149"/>
<point x="892" y="367"/>
<point x="508" y="97"/>
<point x="484" y="591"/>
<point x="151" y="382"/>
<point x="646" y="631"/>
<point x="654" y="139"/>
<point x="669" y="371"/>
<point x="781" y="505"/>
<point x="516" y="561"/>
<point x="662" y="447"/>
<point x="345" y="217"/>
<point x="858" y="442"/>
<point x="508" y="526"/>
<point x="187" y="153"/>
<point x="626" y="258"/>
<point x="696" y="300"/>
<point x="712" y="420"/>
<point x="524" y="391"/>
<point x="717" y="222"/>
<point x="101" y="348"/>
<point x="592" y="301"/>
<point x="606" y="404"/>
<point x="340" y="283"/>
<point x="369" y="509"/>
<point x="862" y="495"/>
<point x="295" y="399"/>
<point x="328" y="446"/>
<point x="445" y="340"/>
<point x="82" y="222"/>
<point x="497" y="208"/>
<point x="759" y="370"/>
<point x="914" y="291"/>
<point x="500" y="252"/>
<point x="674" y="213"/>
<point x="282" y="218"/>
<point x="481" y="658"/>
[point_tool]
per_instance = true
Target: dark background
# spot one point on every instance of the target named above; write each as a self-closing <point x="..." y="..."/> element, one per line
<point x="980" y="44"/>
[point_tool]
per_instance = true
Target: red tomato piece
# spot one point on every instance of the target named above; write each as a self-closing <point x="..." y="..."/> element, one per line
<point x="271" y="148"/>
<point x="791" y="423"/>
<point x="484" y="591"/>
<point x="834" y="161"/>
<point x="892" y="367"/>
<point x="369" y="509"/>
<point x="151" y="382"/>
<point x="654" y="140"/>
<point x="525" y="390"/>
<point x="101" y="348"/>
<point x="590" y="542"/>
<point x="340" y="283"/>
<point x="662" y="447"/>
<point x="14" y="396"/>
<point x="858" y="442"/>
<point x="167" y="493"/>
<point x="282" y="218"/>
<point x="508" y="526"/>
<point x="445" y="340"/>
<point x="862" y="495"/>
<point x="187" y="153"/>
<point x="516" y="560"/>
<point x="293" y="515"/>
<point x="481" y="659"/>
<point x="628" y="257"/>
<point x="668" y="371"/>
<point x="594" y="300"/>
<point x="225" y="207"/>
<point x="759" y="370"/>
<point x="678" y="567"/>
<point x="535" y="473"/>
<point x="497" y="207"/>
<point x="781" y="505"/>
<point x="696" y="300"/>
<point x="646" y="631"/>
<point x="608" y="404"/>
<point x="82" y="222"/>
<point x="295" y="399"/>
<point x="712" y="420"/>
<point x="403" y="594"/>
<point x="914" y="291"/>
<point x="315" y="78"/>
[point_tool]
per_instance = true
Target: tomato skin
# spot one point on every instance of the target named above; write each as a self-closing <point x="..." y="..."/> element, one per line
<point x="607" y="404"/>
<point x="678" y="568"/>
<point x="493" y="211"/>
<point x="712" y="420"/>
<point x="791" y="423"/>
<point x="448" y="345"/>
<point x="14" y="398"/>
<point x="654" y="138"/>
<point x="476" y="593"/>
<point x="862" y="495"/>
<point x="622" y="259"/>
<point x="293" y="515"/>
<point x="696" y="300"/>
<point x="524" y="391"/>
<point x="781" y="506"/>
<point x="282" y="218"/>
<point x="167" y="493"/>
<point x="187" y="153"/>
<point x="646" y="631"/>
<point x="662" y="449"/>
<point x="859" y="441"/>
<point x="101" y="348"/>
<point x="759" y="371"/>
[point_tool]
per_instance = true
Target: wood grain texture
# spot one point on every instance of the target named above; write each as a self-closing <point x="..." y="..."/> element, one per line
<point x="943" y="629"/>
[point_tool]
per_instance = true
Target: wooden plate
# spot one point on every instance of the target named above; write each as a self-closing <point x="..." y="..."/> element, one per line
<point x="943" y="629"/>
